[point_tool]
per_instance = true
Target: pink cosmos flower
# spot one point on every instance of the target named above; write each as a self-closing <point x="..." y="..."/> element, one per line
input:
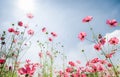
<point x="66" y="74"/>
<point x="15" y="40"/>
<point x="112" y="22"/>
<point x="40" y="54"/>
<point x="83" y="75"/>
<point x="78" y="62"/>
<point x="82" y="36"/>
<point x="109" y="65"/>
<point x="29" y="69"/>
<point x="49" y="54"/>
<point x="94" y="67"/>
<point x="87" y="19"/>
<point x="30" y="32"/>
<point x="110" y="55"/>
<point x="60" y="73"/>
<point x="114" y="41"/>
<point x="53" y="34"/>
<point x="100" y="68"/>
<point x="16" y="32"/>
<point x="99" y="36"/>
<point x="11" y="30"/>
<point x="30" y="15"/>
<point x="44" y="29"/>
<point x="75" y="75"/>
<point x="20" y="23"/>
<point x="69" y="69"/>
<point x="97" y="47"/>
<point x="95" y="60"/>
<point x="26" y="26"/>
<point x="103" y="61"/>
<point x="28" y="61"/>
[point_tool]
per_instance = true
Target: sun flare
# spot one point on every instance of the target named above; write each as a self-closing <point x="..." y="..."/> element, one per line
<point x="26" y="5"/>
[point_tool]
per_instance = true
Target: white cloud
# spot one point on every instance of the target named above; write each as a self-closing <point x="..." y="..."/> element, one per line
<point x="115" y="33"/>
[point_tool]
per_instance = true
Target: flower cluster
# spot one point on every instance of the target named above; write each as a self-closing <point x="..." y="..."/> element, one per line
<point x="17" y="39"/>
<point x="99" y="45"/>
<point x="28" y="69"/>
<point x="97" y="66"/>
<point x="13" y="42"/>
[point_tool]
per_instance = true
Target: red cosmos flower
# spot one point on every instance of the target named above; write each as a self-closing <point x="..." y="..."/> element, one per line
<point x="11" y="30"/>
<point x="112" y="22"/>
<point x="71" y="63"/>
<point x="53" y="34"/>
<point x="20" y="23"/>
<point x="97" y="47"/>
<point x="82" y="36"/>
<point x="30" y="32"/>
<point x="44" y="29"/>
<point x="2" y="61"/>
<point x="114" y="41"/>
<point x="30" y="15"/>
<point x="87" y="19"/>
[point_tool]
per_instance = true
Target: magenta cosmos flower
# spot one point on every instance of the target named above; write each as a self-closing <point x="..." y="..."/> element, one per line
<point x="87" y="19"/>
<point x="82" y="36"/>
<point x="112" y="22"/>
<point x="53" y="34"/>
<point x="20" y="23"/>
<point x="2" y="61"/>
<point x="50" y="39"/>
<point x="114" y="41"/>
<point x="11" y="30"/>
<point x="44" y="29"/>
<point x="71" y="63"/>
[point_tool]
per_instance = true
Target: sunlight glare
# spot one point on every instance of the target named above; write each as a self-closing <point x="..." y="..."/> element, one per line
<point x="26" y="5"/>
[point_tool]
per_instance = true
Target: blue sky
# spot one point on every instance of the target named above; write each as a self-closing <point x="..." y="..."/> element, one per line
<point x="64" y="17"/>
